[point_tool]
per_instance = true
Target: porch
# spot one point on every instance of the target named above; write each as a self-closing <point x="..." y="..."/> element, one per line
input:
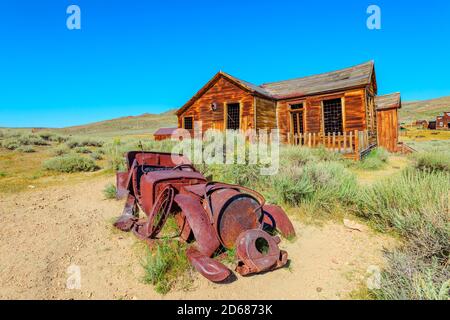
<point x="353" y="145"/>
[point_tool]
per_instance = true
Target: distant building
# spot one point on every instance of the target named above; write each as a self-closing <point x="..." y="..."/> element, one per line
<point x="421" y="124"/>
<point x="432" y="125"/>
<point x="443" y="121"/>
<point x="163" y="133"/>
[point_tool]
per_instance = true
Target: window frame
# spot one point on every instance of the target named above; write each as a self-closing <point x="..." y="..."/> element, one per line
<point x="292" y="111"/>
<point x="342" y="113"/>
<point x="225" y="118"/>
<point x="192" y="122"/>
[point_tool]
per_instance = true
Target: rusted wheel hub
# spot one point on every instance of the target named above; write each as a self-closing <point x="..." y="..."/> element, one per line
<point x="258" y="251"/>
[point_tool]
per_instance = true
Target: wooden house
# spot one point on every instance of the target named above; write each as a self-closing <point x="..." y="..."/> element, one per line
<point x="334" y="109"/>
<point x="443" y="121"/>
<point x="420" y="124"/>
<point x="163" y="133"/>
<point x="387" y="120"/>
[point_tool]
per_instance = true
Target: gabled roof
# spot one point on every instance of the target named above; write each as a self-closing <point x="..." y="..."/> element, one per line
<point x="164" y="131"/>
<point x="250" y="86"/>
<point x="388" y="101"/>
<point x="356" y="76"/>
<point x="240" y="83"/>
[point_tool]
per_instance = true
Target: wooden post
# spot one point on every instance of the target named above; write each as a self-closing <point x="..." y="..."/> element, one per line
<point x="356" y="141"/>
<point x="329" y="141"/>
<point x="351" y="141"/>
<point x="345" y="141"/>
<point x="309" y="139"/>
<point x="367" y="138"/>
<point x="334" y="141"/>
<point x="314" y="139"/>
<point x="339" y="142"/>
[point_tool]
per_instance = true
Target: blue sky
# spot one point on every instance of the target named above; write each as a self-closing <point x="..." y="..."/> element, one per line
<point x="132" y="57"/>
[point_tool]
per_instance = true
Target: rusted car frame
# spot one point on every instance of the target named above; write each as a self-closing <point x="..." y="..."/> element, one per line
<point x="211" y="216"/>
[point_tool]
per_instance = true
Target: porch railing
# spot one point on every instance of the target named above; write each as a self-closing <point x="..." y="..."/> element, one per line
<point x="347" y="142"/>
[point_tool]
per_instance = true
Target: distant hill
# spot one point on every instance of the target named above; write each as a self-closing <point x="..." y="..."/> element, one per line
<point x="132" y="125"/>
<point x="426" y="109"/>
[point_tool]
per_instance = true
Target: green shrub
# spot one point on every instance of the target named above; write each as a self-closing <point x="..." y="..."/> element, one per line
<point x="72" y="143"/>
<point x="402" y="200"/>
<point x="296" y="156"/>
<point x="26" y="149"/>
<point x="10" y="144"/>
<point x="84" y="142"/>
<point x="322" y="185"/>
<point x="242" y="174"/>
<point x="82" y="150"/>
<point x="96" y="156"/>
<point x="415" y="204"/>
<point x="70" y="164"/>
<point x="439" y="161"/>
<point x="326" y="155"/>
<point x="375" y="160"/>
<point x="46" y="135"/>
<point x="59" y="138"/>
<point x="8" y="133"/>
<point x="115" y="150"/>
<point x="2" y="174"/>
<point x="61" y="150"/>
<point x="52" y="136"/>
<point x="410" y="277"/>
<point x="31" y="139"/>
<point x="115" y="155"/>
<point x="299" y="156"/>
<point x="110" y="191"/>
<point x="165" y="263"/>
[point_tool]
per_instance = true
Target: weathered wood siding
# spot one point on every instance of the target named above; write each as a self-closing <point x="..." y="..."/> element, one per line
<point x="353" y="112"/>
<point x="265" y="113"/>
<point x="387" y="125"/>
<point x="221" y="93"/>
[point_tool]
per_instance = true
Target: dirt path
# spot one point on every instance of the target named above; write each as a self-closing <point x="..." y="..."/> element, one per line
<point x="44" y="231"/>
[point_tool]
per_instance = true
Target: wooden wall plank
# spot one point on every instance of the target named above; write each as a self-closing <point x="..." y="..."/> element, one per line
<point x="222" y="92"/>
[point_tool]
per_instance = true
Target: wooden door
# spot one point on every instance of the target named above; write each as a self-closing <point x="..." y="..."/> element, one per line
<point x="297" y="126"/>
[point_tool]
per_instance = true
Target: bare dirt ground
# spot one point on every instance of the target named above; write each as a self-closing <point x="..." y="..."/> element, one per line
<point x="44" y="231"/>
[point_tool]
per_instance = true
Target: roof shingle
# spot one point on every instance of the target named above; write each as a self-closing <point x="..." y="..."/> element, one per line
<point x="355" y="76"/>
<point x="164" y="131"/>
<point x="388" y="101"/>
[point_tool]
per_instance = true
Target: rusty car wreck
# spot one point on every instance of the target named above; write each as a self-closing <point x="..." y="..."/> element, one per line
<point x="211" y="216"/>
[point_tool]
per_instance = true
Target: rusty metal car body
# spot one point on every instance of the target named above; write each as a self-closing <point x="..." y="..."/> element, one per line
<point x="211" y="216"/>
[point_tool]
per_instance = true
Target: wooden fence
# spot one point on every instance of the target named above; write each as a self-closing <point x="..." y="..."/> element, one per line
<point x="353" y="142"/>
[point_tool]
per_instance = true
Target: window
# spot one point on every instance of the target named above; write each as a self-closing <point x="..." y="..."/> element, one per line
<point x="188" y="123"/>
<point x="296" y="106"/>
<point x="332" y="115"/>
<point x="233" y="116"/>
